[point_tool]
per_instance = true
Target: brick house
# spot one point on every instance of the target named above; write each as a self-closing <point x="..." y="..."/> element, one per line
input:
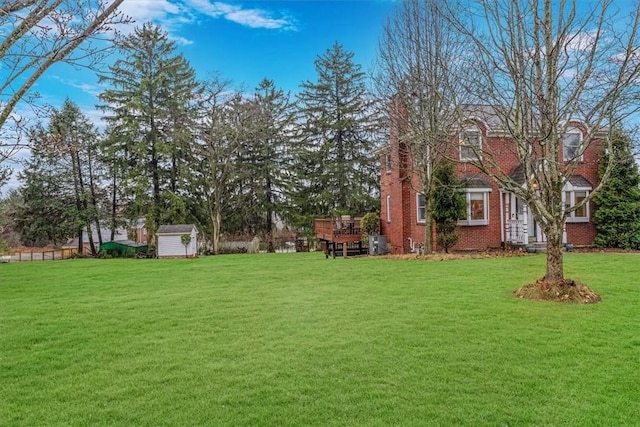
<point x="496" y="218"/>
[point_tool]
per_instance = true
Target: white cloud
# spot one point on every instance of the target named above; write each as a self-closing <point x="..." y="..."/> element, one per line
<point x="172" y="15"/>
<point x="90" y="89"/>
<point x="248" y="17"/>
<point x="149" y="10"/>
<point x="582" y="41"/>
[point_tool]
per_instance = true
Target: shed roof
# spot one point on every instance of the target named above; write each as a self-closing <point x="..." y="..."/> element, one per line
<point x="176" y="229"/>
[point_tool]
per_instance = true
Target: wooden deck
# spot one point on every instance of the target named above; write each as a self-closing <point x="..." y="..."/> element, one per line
<point x="333" y="233"/>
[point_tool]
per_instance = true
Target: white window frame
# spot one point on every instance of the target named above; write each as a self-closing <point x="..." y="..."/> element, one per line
<point x="485" y="200"/>
<point x="388" y="208"/>
<point x="387" y="162"/>
<point x="572" y="132"/>
<point x="466" y="142"/>
<point x="421" y="205"/>
<point x="569" y="200"/>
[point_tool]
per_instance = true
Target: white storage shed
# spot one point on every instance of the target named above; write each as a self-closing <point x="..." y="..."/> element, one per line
<point x="169" y="243"/>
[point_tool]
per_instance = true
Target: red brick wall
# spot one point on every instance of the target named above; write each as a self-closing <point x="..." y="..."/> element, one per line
<point x="404" y="224"/>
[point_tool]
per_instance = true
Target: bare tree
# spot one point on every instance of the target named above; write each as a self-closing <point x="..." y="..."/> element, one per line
<point x="419" y="53"/>
<point x="548" y="68"/>
<point x="219" y="136"/>
<point x="37" y="34"/>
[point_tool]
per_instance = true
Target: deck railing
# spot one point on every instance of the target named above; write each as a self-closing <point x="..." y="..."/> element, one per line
<point x="328" y="228"/>
<point x="517" y="233"/>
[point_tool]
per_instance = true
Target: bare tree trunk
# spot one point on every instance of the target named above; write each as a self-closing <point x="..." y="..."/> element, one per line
<point x="94" y="202"/>
<point x="75" y="165"/>
<point x="114" y="201"/>
<point x="428" y="230"/>
<point x="216" y="221"/>
<point x="555" y="266"/>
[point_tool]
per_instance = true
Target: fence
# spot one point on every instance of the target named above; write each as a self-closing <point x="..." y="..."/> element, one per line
<point x="251" y="247"/>
<point x="40" y="255"/>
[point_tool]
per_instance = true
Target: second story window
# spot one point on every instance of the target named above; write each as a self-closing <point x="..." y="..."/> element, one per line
<point x="572" y="145"/>
<point x="387" y="162"/>
<point x="470" y="144"/>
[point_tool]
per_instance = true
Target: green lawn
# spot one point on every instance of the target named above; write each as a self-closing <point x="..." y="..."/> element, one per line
<point x="294" y="339"/>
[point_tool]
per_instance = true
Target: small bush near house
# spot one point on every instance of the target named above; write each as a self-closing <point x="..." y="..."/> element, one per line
<point x="370" y="226"/>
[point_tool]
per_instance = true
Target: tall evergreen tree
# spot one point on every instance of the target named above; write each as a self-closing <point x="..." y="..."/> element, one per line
<point x="48" y="211"/>
<point x="337" y="169"/>
<point x="150" y="112"/>
<point x="75" y="147"/>
<point x="61" y="179"/>
<point x="617" y="215"/>
<point x="267" y="156"/>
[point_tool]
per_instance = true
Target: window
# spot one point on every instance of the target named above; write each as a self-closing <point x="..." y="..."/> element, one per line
<point x="421" y="207"/>
<point x="470" y="142"/>
<point x="477" y="212"/>
<point x="572" y="198"/>
<point x="387" y="162"/>
<point x="571" y="145"/>
<point x="576" y="191"/>
<point x="388" y="208"/>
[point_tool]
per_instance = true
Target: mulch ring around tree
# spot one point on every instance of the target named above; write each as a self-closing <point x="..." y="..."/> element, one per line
<point x="566" y="290"/>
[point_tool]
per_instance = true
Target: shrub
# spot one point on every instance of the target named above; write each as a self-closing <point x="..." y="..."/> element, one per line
<point x="4" y="247"/>
<point x="370" y="225"/>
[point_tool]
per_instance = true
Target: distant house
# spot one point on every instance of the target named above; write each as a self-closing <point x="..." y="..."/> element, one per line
<point x="169" y="243"/>
<point x="119" y="234"/>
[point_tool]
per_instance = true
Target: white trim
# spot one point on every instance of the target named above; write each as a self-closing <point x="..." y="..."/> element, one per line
<point x="571" y="190"/>
<point x="464" y="141"/>
<point x="423" y="219"/>
<point x="485" y="201"/>
<point x="502" y="223"/>
<point x="571" y="217"/>
<point x="388" y="208"/>
<point x="579" y="150"/>
<point x="387" y="162"/>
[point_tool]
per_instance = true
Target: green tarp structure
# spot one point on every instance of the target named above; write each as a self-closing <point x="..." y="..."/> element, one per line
<point x="124" y="248"/>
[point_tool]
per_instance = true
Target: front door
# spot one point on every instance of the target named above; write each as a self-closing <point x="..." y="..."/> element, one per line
<point x="523" y="212"/>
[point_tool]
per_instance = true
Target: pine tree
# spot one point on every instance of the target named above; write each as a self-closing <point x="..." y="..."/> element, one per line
<point x="617" y="215"/>
<point x="336" y="166"/>
<point x="448" y="205"/>
<point x="75" y="148"/>
<point x="266" y="157"/>
<point x="150" y="114"/>
<point x="48" y="211"/>
<point x="61" y="179"/>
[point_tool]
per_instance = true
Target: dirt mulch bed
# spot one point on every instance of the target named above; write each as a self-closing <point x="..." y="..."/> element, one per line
<point x="443" y="256"/>
<point x="567" y="290"/>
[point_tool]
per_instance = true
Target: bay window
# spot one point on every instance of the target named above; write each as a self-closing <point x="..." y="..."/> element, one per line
<point x="477" y="212"/>
<point x="576" y="191"/>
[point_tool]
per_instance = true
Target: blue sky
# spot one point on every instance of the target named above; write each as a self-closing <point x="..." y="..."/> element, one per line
<point x="244" y="41"/>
